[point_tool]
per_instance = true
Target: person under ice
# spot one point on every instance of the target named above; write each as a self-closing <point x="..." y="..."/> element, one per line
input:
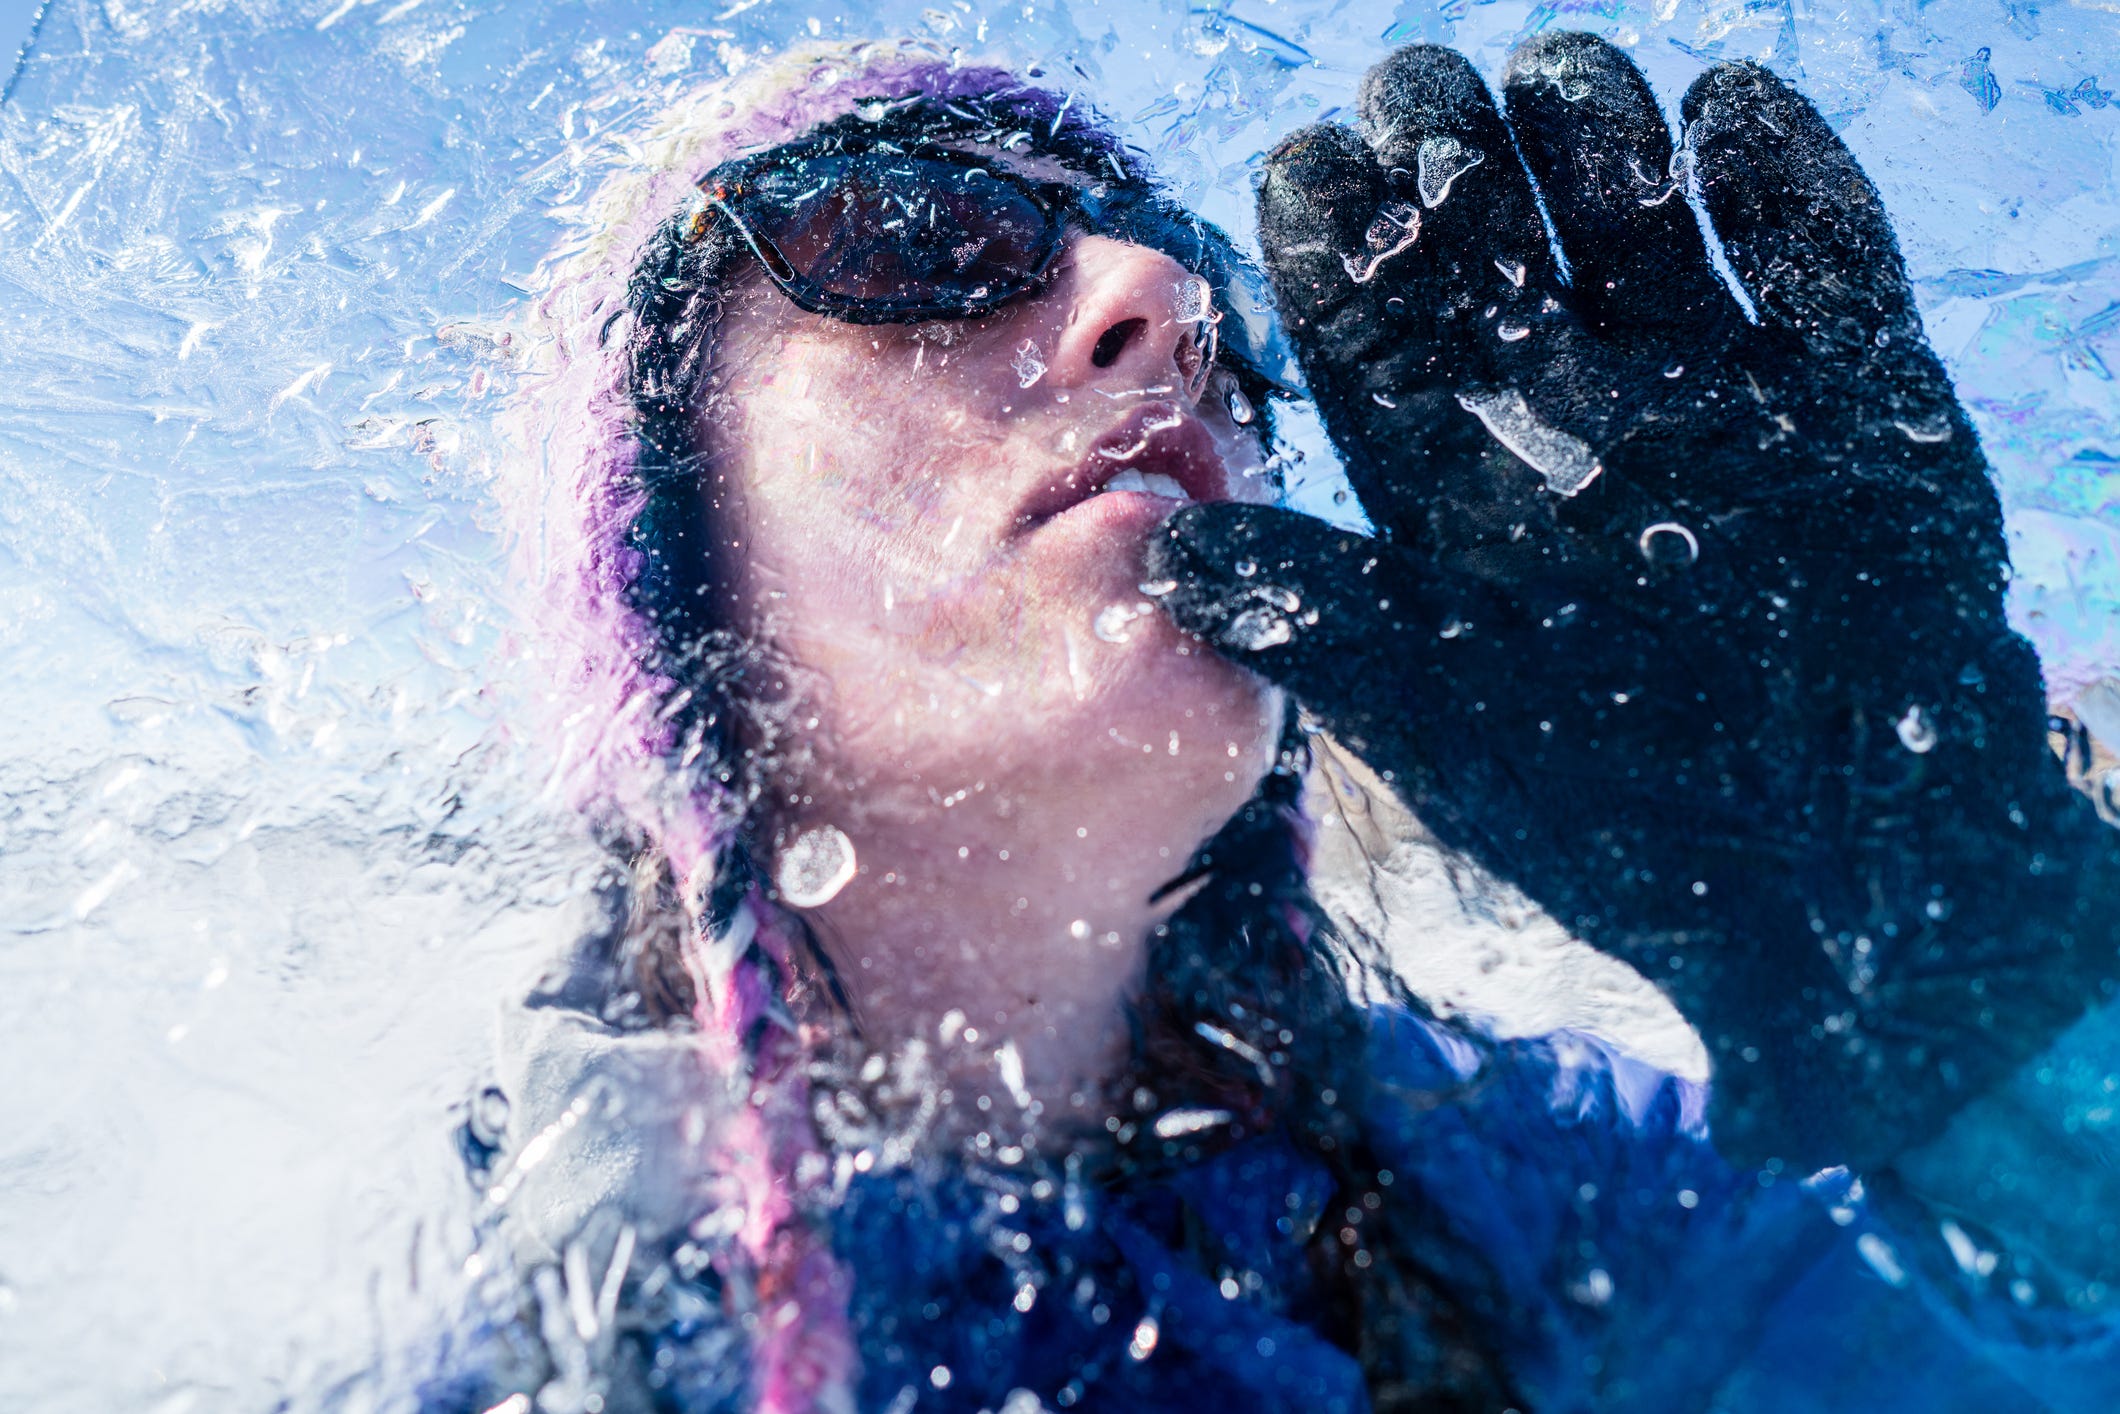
<point x="920" y="624"/>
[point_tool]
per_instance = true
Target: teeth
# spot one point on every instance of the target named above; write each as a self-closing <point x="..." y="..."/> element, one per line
<point x="1155" y="483"/>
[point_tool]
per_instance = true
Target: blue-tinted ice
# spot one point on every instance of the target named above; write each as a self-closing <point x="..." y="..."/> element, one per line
<point x="268" y="869"/>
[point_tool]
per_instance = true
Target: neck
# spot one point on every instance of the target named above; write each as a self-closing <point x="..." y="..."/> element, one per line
<point x="1005" y="938"/>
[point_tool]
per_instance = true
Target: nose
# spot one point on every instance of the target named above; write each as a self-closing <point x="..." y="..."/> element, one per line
<point x="1137" y="320"/>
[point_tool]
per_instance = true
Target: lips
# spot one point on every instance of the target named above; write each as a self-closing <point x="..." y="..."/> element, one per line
<point x="1158" y="450"/>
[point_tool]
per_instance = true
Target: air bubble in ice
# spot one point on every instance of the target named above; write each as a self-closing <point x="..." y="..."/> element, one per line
<point x="1929" y="430"/>
<point x="1259" y="628"/>
<point x="1172" y="1124"/>
<point x="1247" y="568"/>
<point x="1028" y="363"/>
<point x="1195" y="301"/>
<point x="1286" y="600"/>
<point x="1565" y="75"/>
<point x="1157" y="588"/>
<point x="1676" y="370"/>
<point x="1917" y="733"/>
<point x="1512" y="271"/>
<point x="1565" y="461"/>
<point x="1241" y="411"/>
<point x="1442" y="160"/>
<point x="1669" y="545"/>
<point x="1509" y="333"/>
<point x="1397" y="226"/>
<point x="814" y="868"/>
<point x="1113" y="621"/>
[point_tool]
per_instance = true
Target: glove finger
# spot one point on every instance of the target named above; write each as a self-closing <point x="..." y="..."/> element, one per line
<point x="1341" y="249"/>
<point x="1481" y="288"/>
<point x="1322" y="611"/>
<point x="1321" y="224"/>
<point x="1805" y="231"/>
<point x="1593" y="135"/>
<point x="1422" y="294"/>
<point x="1441" y="139"/>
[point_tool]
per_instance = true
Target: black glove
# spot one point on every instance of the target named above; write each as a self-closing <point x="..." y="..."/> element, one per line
<point x="1690" y="626"/>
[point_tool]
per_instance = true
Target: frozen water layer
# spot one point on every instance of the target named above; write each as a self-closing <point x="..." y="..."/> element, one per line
<point x="269" y="866"/>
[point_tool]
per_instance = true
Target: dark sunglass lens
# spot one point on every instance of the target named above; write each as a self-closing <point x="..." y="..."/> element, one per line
<point x="902" y="232"/>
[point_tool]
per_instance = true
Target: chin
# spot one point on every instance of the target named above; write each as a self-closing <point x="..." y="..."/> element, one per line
<point x="1162" y="682"/>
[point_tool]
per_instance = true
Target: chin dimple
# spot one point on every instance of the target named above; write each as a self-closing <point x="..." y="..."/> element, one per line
<point x="1155" y="483"/>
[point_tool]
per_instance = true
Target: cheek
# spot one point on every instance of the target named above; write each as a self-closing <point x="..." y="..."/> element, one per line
<point x="861" y="512"/>
<point x="851" y="432"/>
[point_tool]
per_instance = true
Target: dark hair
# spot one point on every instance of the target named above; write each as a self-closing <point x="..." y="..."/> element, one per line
<point x="1255" y="999"/>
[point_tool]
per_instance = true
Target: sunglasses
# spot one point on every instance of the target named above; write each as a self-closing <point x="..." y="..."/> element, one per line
<point x="895" y="233"/>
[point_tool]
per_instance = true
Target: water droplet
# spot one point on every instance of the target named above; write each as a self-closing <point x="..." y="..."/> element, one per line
<point x="814" y="868"/>
<point x="1079" y="930"/>
<point x="1396" y="227"/>
<point x="1257" y="629"/>
<point x="1029" y="366"/>
<point x="1113" y="621"/>
<point x="1241" y="412"/>
<point x="1509" y="333"/>
<point x="1564" y="460"/>
<point x="1390" y="226"/>
<point x="1195" y="301"/>
<point x="1917" y="733"/>
<point x="1441" y="161"/>
<point x="1172" y="1124"/>
<point x="1339" y="498"/>
<point x="1669" y="545"/>
<point x="1929" y="430"/>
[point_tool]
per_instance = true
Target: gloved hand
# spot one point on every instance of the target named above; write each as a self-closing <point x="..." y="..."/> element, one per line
<point x="1689" y="625"/>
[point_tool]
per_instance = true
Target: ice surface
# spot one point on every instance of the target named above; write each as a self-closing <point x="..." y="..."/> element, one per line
<point x="1564" y="460"/>
<point x="269" y="865"/>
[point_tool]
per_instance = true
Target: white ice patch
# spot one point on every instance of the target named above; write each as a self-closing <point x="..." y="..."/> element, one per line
<point x="1114" y="622"/>
<point x="1395" y="229"/>
<point x="1441" y="161"/>
<point x="1566" y="461"/>
<point x="816" y="867"/>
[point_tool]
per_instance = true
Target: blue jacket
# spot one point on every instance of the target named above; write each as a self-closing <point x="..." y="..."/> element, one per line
<point x="1567" y="1196"/>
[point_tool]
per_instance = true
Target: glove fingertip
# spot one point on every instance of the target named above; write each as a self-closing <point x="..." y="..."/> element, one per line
<point x="1419" y="89"/>
<point x="1320" y="187"/>
<point x="1729" y="86"/>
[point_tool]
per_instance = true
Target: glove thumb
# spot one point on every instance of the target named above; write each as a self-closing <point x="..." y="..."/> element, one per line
<point x="1342" y="621"/>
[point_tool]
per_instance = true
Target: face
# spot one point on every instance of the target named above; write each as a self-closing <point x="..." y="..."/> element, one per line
<point x="945" y="524"/>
